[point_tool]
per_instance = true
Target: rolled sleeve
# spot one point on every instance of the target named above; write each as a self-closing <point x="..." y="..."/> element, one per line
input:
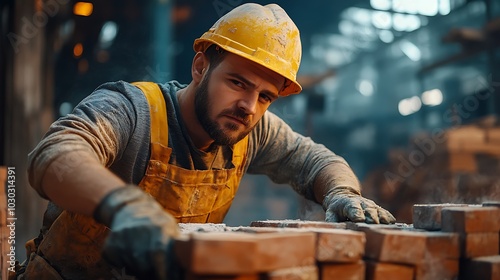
<point x="99" y="126"/>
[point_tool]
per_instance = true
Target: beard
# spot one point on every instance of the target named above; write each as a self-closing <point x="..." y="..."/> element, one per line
<point x="218" y="132"/>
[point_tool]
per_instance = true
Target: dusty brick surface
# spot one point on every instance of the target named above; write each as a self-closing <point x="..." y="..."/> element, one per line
<point x="484" y="268"/>
<point x="235" y="253"/>
<point x="428" y="216"/>
<point x="442" y="245"/>
<point x="366" y="227"/>
<point x="284" y="250"/>
<point x="395" y="246"/>
<point x="491" y="203"/>
<point x="388" y="271"/>
<point x="347" y="271"/>
<point x="470" y="219"/>
<point x="186" y="228"/>
<point x="295" y="273"/>
<point x="334" y="245"/>
<point x="191" y="276"/>
<point x="479" y="244"/>
<point x="217" y="253"/>
<point x="258" y="230"/>
<point x="297" y="224"/>
<point x="432" y="269"/>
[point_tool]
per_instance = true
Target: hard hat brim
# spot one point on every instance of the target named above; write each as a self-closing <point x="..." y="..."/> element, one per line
<point x="201" y="45"/>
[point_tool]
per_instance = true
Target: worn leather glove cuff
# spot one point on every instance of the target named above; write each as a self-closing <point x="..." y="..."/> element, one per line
<point x="116" y="200"/>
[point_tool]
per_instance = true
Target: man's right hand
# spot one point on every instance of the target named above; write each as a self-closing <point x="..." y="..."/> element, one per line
<point x="141" y="238"/>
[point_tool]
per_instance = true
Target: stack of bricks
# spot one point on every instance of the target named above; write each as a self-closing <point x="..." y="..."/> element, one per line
<point x="446" y="241"/>
<point x="458" y="165"/>
<point x="478" y="230"/>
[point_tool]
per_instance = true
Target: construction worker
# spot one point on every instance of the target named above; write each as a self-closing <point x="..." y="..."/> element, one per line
<point x="132" y="160"/>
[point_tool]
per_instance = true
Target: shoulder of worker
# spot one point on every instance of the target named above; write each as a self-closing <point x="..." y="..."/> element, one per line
<point x="130" y="90"/>
<point x="121" y="94"/>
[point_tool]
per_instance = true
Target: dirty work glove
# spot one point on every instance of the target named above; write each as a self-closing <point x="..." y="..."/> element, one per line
<point x="141" y="237"/>
<point x="346" y="204"/>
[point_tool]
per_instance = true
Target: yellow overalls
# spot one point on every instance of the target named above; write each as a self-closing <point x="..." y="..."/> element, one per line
<point x="71" y="249"/>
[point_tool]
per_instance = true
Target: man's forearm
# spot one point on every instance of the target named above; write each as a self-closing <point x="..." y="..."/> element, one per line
<point x="77" y="182"/>
<point x="335" y="175"/>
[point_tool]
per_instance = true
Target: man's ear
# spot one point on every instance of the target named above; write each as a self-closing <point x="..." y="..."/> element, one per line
<point x="199" y="67"/>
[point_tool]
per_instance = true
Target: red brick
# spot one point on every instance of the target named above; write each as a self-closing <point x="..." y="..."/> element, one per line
<point x="443" y="245"/>
<point x="333" y="245"/>
<point x="234" y="253"/>
<point x="479" y="244"/>
<point x="484" y="268"/>
<point x="297" y="224"/>
<point x="191" y="276"/>
<point x="265" y="229"/>
<point x="395" y="246"/>
<point x="442" y="269"/>
<point x="295" y="273"/>
<point x="336" y="245"/>
<point x="366" y="227"/>
<point x="470" y="219"/>
<point x="347" y="271"/>
<point x="217" y="253"/>
<point x="388" y="271"/>
<point x="493" y="135"/>
<point x="491" y="203"/>
<point x="284" y="250"/>
<point x="428" y="216"/>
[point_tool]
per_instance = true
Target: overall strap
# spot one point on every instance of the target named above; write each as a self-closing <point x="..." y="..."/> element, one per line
<point x="158" y="112"/>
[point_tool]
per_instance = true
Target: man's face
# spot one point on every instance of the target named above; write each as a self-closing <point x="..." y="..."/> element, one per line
<point x="233" y="97"/>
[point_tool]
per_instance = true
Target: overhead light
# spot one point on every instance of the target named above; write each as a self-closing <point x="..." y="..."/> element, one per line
<point x="409" y="106"/>
<point x="346" y="27"/>
<point x="83" y="9"/>
<point x="386" y="36"/>
<point x="408" y="23"/>
<point x="108" y="34"/>
<point x="412" y="23"/>
<point x="428" y="7"/>
<point x="410" y="50"/>
<point x="432" y="97"/>
<point x="405" y="6"/>
<point x="444" y="7"/>
<point x="78" y="50"/>
<point x="381" y="4"/>
<point x="365" y="87"/>
<point x="358" y="15"/>
<point x="382" y="20"/>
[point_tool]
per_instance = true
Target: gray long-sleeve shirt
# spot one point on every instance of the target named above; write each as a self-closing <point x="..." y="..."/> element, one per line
<point x="113" y="123"/>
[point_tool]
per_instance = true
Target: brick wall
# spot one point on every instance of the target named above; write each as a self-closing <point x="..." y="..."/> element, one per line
<point x="463" y="244"/>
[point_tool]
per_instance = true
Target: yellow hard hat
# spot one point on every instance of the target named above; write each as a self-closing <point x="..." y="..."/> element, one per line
<point x="263" y="34"/>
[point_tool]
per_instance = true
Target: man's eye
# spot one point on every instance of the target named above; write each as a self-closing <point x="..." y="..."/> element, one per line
<point x="237" y="83"/>
<point x="266" y="98"/>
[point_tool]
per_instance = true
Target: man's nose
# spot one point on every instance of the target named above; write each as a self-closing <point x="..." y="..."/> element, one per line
<point x="248" y="103"/>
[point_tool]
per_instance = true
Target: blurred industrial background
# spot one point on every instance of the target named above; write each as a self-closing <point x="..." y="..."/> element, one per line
<point x="407" y="91"/>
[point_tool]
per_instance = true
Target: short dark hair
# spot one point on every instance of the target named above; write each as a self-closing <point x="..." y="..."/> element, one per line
<point x="215" y="56"/>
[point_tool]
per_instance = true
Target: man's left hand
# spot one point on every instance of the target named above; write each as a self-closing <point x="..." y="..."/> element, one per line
<point x="352" y="207"/>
